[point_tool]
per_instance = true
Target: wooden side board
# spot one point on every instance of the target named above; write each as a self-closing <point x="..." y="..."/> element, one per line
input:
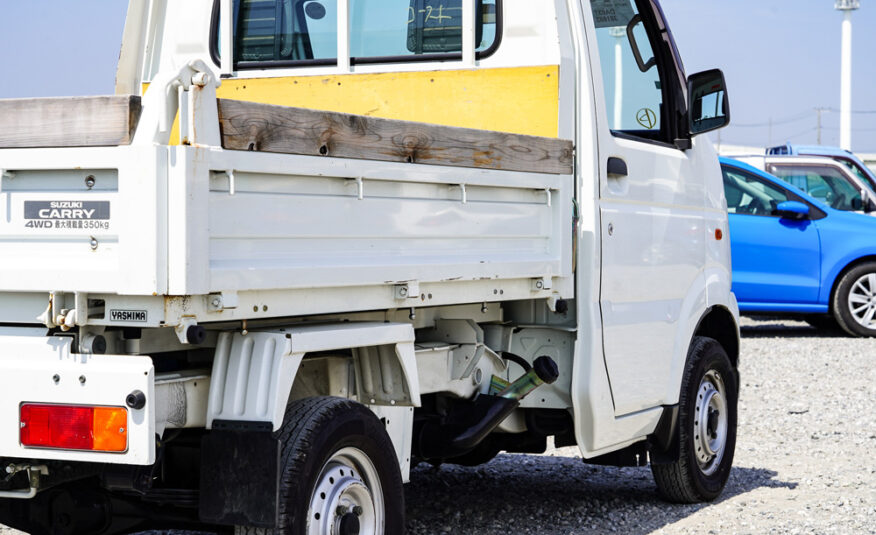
<point x="68" y="122"/>
<point x="261" y="127"/>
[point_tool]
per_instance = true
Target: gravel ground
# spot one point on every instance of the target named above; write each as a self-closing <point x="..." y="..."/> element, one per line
<point x="803" y="460"/>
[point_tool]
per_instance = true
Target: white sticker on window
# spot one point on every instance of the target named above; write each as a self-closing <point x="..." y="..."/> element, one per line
<point x="609" y="13"/>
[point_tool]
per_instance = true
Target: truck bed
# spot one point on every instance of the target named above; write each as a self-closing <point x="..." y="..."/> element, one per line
<point x="300" y="211"/>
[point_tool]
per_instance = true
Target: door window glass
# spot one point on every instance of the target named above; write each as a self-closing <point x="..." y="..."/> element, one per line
<point x="634" y="90"/>
<point x="826" y="184"/>
<point x="749" y="195"/>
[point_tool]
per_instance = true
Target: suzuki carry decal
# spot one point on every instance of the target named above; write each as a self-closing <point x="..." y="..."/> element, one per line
<point x="67" y="214"/>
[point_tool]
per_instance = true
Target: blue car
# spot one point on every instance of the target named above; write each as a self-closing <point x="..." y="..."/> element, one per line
<point x="795" y="255"/>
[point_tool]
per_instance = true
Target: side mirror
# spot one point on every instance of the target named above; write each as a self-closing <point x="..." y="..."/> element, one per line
<point x="708" y="105"/>
<point x="857" y="204"/>
<point x="793" y="210"/>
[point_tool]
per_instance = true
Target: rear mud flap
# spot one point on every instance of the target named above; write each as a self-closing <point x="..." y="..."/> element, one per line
<point x="240" y="478"/>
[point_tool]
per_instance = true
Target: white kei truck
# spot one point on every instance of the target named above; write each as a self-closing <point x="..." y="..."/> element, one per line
<point x="311" y="243"/>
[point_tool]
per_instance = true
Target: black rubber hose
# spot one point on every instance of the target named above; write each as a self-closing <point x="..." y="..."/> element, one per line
<point x="517" y="359"/>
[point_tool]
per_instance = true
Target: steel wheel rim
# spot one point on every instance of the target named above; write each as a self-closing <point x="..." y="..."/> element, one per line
<point x="862" y="301"/>
<point x="710" y="422"/>
<point x="348" y="484"/>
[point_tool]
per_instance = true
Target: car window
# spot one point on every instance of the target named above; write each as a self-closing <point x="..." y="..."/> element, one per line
<point x="862" y="175"/>
<point x="631" y="78"/>
<point x="414" y="27"/>
<point x="826" y="184"/>
<point x="749" y="195"/>
<point x="286" y="32"/>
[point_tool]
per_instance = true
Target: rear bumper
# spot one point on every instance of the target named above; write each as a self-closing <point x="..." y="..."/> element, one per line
<point x="41" y="369"/>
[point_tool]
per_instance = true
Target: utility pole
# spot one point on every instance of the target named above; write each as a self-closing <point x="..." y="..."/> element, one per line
<point x="846" y="6"/>
<point x="818" y="112"/>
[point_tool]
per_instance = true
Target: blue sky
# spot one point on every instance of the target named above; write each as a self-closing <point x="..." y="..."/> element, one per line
<point x="781" y="59"/>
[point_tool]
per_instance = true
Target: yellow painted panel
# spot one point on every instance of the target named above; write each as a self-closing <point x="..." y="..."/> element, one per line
<point x="174" y="129"/>
<point x="522" y="100"/>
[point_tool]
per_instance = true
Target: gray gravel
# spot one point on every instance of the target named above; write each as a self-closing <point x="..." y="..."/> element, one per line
<point x="804" y="460"/>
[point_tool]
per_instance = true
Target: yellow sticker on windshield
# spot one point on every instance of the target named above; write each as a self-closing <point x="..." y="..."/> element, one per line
<point x="646" y="118"/>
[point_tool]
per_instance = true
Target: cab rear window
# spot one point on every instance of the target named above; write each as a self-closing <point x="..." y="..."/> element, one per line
<point x="291" y="32"/>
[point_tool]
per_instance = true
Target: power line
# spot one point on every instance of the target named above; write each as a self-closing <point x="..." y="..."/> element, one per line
<point x="853" y="129"/>
<point x="858" y="112"/>
<point x="787" y="120"/>
<point x="804" y="116"/>
<point x="798" y="117"/>
<point x="803" y="133"/>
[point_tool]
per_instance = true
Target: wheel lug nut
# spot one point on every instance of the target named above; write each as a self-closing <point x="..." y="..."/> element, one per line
<point x="357" y="510"/>
<point x="341" y="510"/>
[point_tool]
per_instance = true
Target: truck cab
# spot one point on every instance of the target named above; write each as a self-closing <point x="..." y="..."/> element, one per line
<point x="310" y="244"/>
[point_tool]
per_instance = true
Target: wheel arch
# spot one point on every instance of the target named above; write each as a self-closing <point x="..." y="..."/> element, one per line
<point x="268" y="362"/>
<point x="720" y="324"/>
<point x="838" y="273"/>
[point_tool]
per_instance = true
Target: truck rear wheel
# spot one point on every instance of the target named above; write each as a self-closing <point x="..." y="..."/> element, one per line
<point x="706" y="427"/>
<point x="340" y="472"/>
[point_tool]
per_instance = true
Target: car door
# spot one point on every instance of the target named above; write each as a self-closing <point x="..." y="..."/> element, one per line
<point x="651" y="199"/>
<point x="776" y="261"/>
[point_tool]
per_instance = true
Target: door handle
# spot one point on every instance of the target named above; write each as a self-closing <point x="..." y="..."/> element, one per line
<point x="617" y="168"/>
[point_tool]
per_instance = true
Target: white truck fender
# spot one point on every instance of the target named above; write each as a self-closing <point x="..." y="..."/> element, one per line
<point x="253" y="374"/>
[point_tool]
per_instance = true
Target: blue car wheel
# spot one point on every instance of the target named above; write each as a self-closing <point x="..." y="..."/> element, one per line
<point x="854" y="302"/>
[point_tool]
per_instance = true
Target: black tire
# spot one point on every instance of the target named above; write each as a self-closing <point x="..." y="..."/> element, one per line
<point x="689" y="479"/>
<point x="855" y="280"/>
<point x="314" y="431"/>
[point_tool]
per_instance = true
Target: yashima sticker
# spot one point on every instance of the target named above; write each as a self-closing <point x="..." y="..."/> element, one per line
<point x="138" y="316"/>
<point x="67" y="214"/>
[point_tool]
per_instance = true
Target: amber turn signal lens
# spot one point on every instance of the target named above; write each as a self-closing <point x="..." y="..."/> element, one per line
<point x="719" y="234"/>
<point x="110" y="429"/>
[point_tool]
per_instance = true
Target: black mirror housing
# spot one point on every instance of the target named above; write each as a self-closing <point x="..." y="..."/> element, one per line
<point x="708" y="104"/>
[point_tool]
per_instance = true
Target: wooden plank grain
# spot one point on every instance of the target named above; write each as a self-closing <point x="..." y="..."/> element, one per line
<point x="262" y="127"/>
<point x="69" y="121"/>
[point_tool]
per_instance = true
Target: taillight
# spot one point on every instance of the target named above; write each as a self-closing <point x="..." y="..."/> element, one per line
<point x="73" y="427"/>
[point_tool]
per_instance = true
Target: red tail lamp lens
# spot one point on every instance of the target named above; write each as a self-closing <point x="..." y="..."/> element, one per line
<point x="73" y="427"/>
